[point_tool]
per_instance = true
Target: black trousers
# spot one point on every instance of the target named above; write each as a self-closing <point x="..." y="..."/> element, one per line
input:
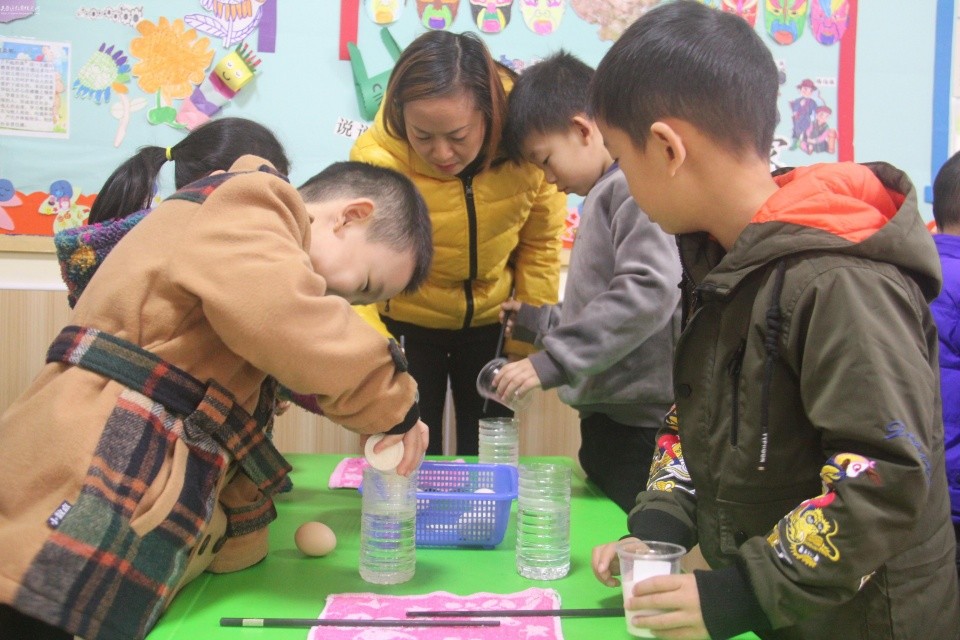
<point x="616" y="457"/>
<point x="17" y="626"/>
<point x="438" y="355"/>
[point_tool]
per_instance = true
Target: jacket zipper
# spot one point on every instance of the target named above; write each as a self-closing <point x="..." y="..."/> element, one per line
<point x="733" y="368"/>
<point x="472" y="238"/>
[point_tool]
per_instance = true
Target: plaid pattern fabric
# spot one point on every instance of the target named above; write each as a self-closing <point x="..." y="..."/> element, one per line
<point x="198" y="190"/>
<point x="112" y="563"/>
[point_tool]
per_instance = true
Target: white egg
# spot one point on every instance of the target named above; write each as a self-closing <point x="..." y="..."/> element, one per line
<point x="315" y="539"/>
<point x="386" y="460"/>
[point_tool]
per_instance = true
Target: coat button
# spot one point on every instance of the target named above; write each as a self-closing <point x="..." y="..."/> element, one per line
<point x="203" y="545"/>
<point x="219" y="544"/>
<point x="684" y="391"/>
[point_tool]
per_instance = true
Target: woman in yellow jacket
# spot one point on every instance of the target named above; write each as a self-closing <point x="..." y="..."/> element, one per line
<point x="496" y="224"/>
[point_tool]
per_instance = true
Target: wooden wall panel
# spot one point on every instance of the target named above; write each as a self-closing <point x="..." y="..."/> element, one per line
<point x="29" y="320"/>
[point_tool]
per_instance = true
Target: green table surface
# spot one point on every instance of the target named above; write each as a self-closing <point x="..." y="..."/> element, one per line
<point x="290" y="585"/>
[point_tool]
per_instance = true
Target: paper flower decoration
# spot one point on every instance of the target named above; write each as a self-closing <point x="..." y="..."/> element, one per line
<point x="106" y="70"/>
<point x="172" y="58"/>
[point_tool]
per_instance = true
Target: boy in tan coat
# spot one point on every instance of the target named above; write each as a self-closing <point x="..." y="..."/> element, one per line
<point x="139" y="456"/>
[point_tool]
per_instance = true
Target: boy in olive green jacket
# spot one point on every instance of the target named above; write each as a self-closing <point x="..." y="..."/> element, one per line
<point x="805" y="455"/>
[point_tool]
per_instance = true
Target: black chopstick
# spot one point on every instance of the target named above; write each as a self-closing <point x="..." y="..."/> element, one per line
<point x="325" y="622"/>
<point x="611" y="612"/>
<point x="503" y="331"/>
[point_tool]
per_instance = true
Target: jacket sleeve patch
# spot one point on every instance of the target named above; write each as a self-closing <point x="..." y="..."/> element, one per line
<point x="668" y="471"/>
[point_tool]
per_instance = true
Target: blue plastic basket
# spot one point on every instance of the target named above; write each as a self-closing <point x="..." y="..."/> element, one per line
<point x="464" y="504"/>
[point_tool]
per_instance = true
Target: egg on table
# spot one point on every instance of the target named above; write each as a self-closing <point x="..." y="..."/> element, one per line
<point x="315" y="539"/>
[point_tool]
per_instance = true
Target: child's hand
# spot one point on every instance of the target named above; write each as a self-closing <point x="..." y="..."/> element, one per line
<point x="606" y="564"/>
<point x="415" y="444"/>
<point x="678" y="599"/>
<point x="508" y="310"/>
<point x="516" y="378"/>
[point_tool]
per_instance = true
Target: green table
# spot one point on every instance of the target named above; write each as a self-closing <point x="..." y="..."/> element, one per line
<point x="287" y="584"/>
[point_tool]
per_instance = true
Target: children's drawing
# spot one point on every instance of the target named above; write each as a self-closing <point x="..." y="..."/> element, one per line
<point x="63" y="204"/>
<point x="437" y="14"/>
<point x="746" y="9"/>
<point x="613" y="16"/>
<point x="819" y="137"/>
<point x="232" y="20"/>
<point x="121" y="111"/>
<point x="542" y="16"/>
<point x="126" y="14"/>
<point x="172" y="61"/>
<point x="384" y="11"/>
<point x="803" y="109"/>
<point x="491" y="16"/>
<point x="106" y="70"/>
<point x="233" y="72"/>
<point x="784" y="19"/>
<point x="370" y="90"/>
<point x="8" y="198"/>
<point x="829" y="20"/>
<point x="779" y="144"/>
<point x="713" y="4"/>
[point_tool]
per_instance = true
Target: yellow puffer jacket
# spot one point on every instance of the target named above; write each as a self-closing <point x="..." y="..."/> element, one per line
<point x="499" y="229"/>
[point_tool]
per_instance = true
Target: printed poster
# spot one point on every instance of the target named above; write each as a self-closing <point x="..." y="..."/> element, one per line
<point x="33" y="81"/>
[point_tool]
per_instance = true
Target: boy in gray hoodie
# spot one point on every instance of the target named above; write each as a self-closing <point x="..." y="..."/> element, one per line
<point x="608" y="348"/>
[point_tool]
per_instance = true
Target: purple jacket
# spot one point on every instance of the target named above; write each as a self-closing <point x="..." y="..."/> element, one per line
<point x="946" y="312"/>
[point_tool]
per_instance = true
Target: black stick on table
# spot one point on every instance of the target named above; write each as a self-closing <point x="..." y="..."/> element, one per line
<point x="317" y="622"/>
<point x="612" y="612"/>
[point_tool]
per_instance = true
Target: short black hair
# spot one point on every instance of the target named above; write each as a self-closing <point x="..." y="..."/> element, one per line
<point x="946" y="193"/>
<point x="545" y="98"/>
<point x="401" y="219"/>
<point x="685" y="60"/>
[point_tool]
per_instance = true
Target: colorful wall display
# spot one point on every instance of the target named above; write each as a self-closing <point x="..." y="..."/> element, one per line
<point x="146" y="73"/>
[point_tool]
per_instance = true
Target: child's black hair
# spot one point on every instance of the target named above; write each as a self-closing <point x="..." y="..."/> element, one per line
<point x="401" y="219"/>
<point x="685" y="60"/>
<point x="946" y="194"/>
<point x="545" y="98"/>
<point x="214" y="145"/>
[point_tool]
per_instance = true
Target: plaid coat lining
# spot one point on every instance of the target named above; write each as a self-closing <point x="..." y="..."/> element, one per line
<point x="113" y="569"/>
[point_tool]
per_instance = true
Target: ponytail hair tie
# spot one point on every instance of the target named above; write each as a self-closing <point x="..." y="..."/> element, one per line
<point x="169" y="153"/>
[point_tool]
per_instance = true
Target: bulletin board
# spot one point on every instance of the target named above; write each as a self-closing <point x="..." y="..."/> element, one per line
<point x="102" y="78"/>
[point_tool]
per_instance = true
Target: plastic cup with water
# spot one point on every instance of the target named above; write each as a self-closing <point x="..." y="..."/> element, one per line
<point x="387" y="527"/>
<point x="499" y="441"/>
<point x="640" y="560"/>
<point x="543" y="521"/>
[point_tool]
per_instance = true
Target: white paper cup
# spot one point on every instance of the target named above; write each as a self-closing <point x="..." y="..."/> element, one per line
<point x="640" y="560"/>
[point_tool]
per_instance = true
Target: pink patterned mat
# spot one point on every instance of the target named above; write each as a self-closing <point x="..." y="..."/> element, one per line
<point x="348" y="473"/>
<point x="372" y="606"/>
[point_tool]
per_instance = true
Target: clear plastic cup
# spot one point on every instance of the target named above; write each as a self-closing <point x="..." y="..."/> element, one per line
<point x="487" y="389"/>
<point x="640" y="560"/>
<point x="543" y="521"/>
<point x="499" y="441"/>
